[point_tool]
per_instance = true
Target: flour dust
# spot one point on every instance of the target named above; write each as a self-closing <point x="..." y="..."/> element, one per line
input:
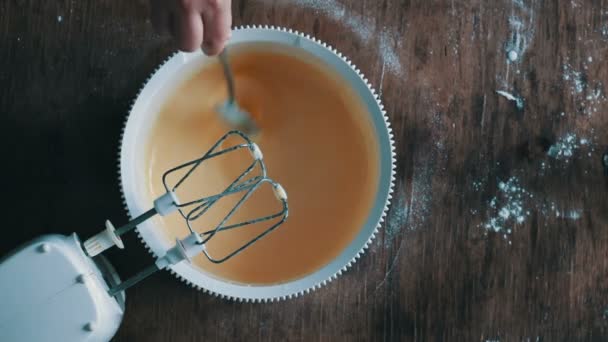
<point x="363" y="27"/>
<point x="397" y="217"/>
<point x="589" y="94"/>
<point x="513" y="204"/>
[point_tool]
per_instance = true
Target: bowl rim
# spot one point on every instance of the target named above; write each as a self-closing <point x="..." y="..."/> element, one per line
<point x="136" y="202"/>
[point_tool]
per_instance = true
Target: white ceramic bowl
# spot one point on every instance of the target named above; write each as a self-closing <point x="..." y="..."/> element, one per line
<point x="143" y="114"/>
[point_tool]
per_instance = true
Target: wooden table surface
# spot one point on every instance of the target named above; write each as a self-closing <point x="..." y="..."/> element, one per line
<point x="69" y="71"/>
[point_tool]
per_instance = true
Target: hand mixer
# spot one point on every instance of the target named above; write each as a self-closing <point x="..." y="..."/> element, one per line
<point x="56" y="288"/>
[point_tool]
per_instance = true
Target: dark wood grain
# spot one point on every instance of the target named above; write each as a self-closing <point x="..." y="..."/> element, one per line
<point x="434" y="273"/>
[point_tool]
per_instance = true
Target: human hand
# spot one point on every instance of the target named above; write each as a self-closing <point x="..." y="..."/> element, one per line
<point x="194" y="23"/>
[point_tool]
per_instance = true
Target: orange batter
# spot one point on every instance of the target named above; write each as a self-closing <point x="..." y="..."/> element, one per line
<point x="317" y="141"/>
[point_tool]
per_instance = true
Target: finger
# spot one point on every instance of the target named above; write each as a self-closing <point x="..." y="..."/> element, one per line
<point x="188" y="30"/>
<point x="217" y="19"/>
<point x="159" y="15"/>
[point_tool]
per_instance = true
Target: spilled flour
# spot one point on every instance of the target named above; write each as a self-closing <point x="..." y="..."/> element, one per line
<point x="397" y="217"/>
<point x="604" y="31"/>
<point x="389" y="55"/>
<point x="412" y="204"/>
<point x="575" y="78"/>
<point x="565" y="147"/>
<point x="513" y="204"/>
<point x="588" y="93"/>
<point x="363" y="27"/>
<point x="421" y="194"/>
<point x="508" y="207"/>
<point x="428" y="163"/>
<point x="571" y="214"/>
<point x="552" y="210"/>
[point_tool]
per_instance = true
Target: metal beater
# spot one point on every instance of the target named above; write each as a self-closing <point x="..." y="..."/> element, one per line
<point x="246" y="184"/>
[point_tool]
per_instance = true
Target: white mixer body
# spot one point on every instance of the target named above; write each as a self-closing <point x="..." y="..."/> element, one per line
<point x="51" y="291"/>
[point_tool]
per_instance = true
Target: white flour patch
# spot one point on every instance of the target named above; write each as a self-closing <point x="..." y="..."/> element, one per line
<point x="519" y="102"/>
<point x="421" y="195"/>
<point x="552" y="210"/>
<point x="604" y="32"/>
<point x="325" y="6"/>
<point x="566" y="147"/>
<point x="364" y="28"/>
<point x="387" y="50"/>
<point x="421" y="192"/>
<point x="508" y="208"/>
<point x="477" y="185"/>
<point x="589" y="94"/>
<point x="570" y="215"/>
<point x="426" y="164"/>
<point x="575" y="78"/>
<point x="59" y="18"/>
<point x="520" y="4"/>
<point x="397" y="218"/>
<point x="381" y="83"/>
<point x="594" y="99"/>
<point x="512" y="206"/>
